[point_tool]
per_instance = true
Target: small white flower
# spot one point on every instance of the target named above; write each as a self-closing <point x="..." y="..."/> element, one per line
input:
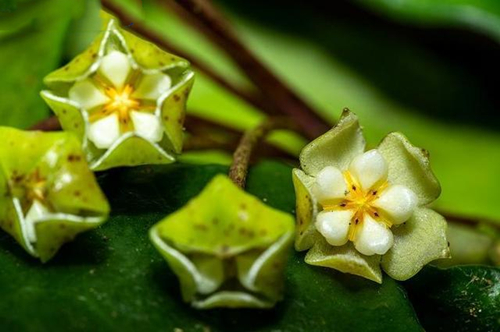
<point x="360" y="205"/>
<point x="124" y="98"/>
<point x="119" y="99"/>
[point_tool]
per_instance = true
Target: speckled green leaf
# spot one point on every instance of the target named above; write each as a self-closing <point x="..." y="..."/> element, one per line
<point x="461" y="298"/>
<point x="337" y="147"/>
<point x="49" y="168"/>
<point x="114" y="278"/>
<point x="417" y="242"/>
<point x="410" y="167"/>
<point x="221" y="234"/>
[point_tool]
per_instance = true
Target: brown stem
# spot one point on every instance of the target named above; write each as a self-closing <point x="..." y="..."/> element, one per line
<point x="49" y="124"/>
<point x="215" y="26"/>
<point x="203" y="134"/>
<point x="162" y="42"/>
<point x="469" y="221"/>
<point x="241" y="157"/>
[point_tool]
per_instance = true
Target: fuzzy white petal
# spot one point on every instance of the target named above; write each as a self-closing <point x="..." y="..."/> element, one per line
<point x="369" y="169"/>
<point x="397" y="203"/>
<point x="330" y="186"/>
<point x="115" y="66"/>
<point x="87" y="95"/>
<point x="104" y="132"/>
<point x="152" y="86"/>
<point x="147" y="126"/>
<point x="334" y="226"/>
<point x="373" y="237"/>
<point x="36" y="211"/>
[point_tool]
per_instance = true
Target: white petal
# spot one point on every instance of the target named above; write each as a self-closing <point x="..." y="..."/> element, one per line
<point x="36" y="211"/>
<point x="115" y="66"/>
<point x="334" y="226"/>
<point x="147" y="126"/>
<point x="152" y="86"/>
<point x="86" y="94"/>
<point x="373" y="237"/>
<point x="369" y="169"/>
<point x="104" y="132"/>
<point x="330" y="186"/>
<point x="397" y="203"/>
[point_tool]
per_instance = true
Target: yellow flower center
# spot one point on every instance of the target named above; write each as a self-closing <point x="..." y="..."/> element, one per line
<point x="360" y="201"/>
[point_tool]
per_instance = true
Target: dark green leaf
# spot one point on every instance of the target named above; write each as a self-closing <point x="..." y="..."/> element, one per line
<point x="465" y="298"/>
<point x="113" y="278"/>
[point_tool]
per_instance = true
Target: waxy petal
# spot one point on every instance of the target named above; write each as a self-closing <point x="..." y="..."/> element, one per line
<point x="87" y="95"/>
<point x="396" y="203"/>
<point x="104" y="132"/>
<point x="334" y="226"/>
<point x="373" y="237"/>
<point x="147" y="126"/>
<point x="115" y="66"/>
<point x="330" y="186"/>
<point x="152" y="86"/>
<point x="369" y="169"/>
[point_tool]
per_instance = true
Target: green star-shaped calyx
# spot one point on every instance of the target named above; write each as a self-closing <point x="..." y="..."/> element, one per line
<point x="48" y="194"/>
<point x="227" y="248"/>
<point x="124" y="98"/>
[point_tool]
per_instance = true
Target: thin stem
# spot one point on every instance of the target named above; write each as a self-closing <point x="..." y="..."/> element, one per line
<point x="241" y="157"/>
<point x="469" y="220"/>
<point x="215" y="26"/>
<point x="164" y="43"/>
<point x="203" y="135"/>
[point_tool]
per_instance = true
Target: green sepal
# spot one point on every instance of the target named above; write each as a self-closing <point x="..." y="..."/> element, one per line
<point x="345" y="259"/>
<point x="417" y="242"/>
<point x="337" y="147"/>
<point x="71" y="194"/>
<point x="409" y="166"/>
<point x="69" y="115"/>
<point x="306" y="210"/>
<point x="227" y="248"/>
<point x="132" y="150"/>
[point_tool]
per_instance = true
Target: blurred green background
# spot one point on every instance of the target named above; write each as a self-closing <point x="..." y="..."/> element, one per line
<point x="427" y="68"/>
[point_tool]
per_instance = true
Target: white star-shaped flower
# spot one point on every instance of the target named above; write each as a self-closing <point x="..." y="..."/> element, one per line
<point x="124" y="98"/>
<point x="360" y="205"/>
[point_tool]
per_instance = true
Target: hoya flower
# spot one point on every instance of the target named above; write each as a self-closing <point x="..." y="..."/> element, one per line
<point x="124" y="98"/>
<point x="48" y="194"/>
<point x="358" y="210"/>
<point x="227" y="247"/>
